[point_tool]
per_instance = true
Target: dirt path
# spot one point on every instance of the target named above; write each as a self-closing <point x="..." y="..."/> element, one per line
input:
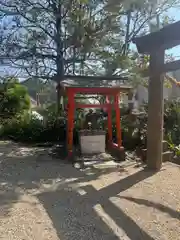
<point x="42" y="199"/>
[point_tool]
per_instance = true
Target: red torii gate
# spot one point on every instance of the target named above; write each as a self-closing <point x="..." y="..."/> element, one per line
<point x="113" y="92"/>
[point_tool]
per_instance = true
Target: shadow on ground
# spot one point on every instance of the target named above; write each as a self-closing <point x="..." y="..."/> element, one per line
<point x="74" y="214"/>
<point x="160" y="207"/>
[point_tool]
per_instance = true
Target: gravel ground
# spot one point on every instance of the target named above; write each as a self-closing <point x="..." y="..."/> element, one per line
<point x="42" y="198"/>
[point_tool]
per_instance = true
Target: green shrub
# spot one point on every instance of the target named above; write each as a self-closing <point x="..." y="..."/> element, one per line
<point x="26" y="128"/>
<point x="134" y="131"/>
<point x="172" y="120"/>
<point x="14" y="98"/>
<point x="136" y="135"/>
<point x="33" y="130"/>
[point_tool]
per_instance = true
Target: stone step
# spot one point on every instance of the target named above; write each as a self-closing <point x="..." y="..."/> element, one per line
<point x="144" y="154"/>
<point x="165" y="146"/>
<point x="167" y="156"/>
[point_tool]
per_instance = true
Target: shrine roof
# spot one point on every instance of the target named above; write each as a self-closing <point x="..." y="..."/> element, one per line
<point x="165" y="38"/>
<point x="95" y="82"/>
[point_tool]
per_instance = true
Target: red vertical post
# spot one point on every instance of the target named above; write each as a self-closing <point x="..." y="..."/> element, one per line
<point x="70" y="125"/>
<point x="118" y="120"/>
<point x="109" y="119"/>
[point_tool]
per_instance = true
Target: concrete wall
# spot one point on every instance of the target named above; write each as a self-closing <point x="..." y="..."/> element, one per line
<point x="33" y="102"/>
<point x="143" y="93"/>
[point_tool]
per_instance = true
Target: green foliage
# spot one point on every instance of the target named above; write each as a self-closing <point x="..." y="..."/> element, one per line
<point x="33" y="130"/>
<point x="14" y="98"/>
<point x="177" y="151"/>
<point x="173" y="147"/>
<point x="135" y="130"/>
<point x="94" y="35"/>
<point x="37" y="34"/>
<point x="172" y="121"/>
<point x="26" y="128"/>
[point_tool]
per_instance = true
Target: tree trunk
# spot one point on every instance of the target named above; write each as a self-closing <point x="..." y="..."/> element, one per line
<point x="126" y="45"/>
<point x="59" y="58"/>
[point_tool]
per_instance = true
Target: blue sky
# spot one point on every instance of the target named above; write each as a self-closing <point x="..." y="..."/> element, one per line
<point x="175" y="13"/>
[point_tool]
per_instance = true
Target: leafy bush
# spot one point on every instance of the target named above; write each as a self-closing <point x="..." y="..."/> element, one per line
<point x="172" y="121"/>
<point x="33" y="130"/>
<point x="134" y="131"/>
<point x="175" y="149"/>
<point x="14" y="98"/>
<point x="25" y="128"/>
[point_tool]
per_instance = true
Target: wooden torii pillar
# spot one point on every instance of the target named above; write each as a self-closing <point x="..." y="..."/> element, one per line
<point x="155" y="44"/>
